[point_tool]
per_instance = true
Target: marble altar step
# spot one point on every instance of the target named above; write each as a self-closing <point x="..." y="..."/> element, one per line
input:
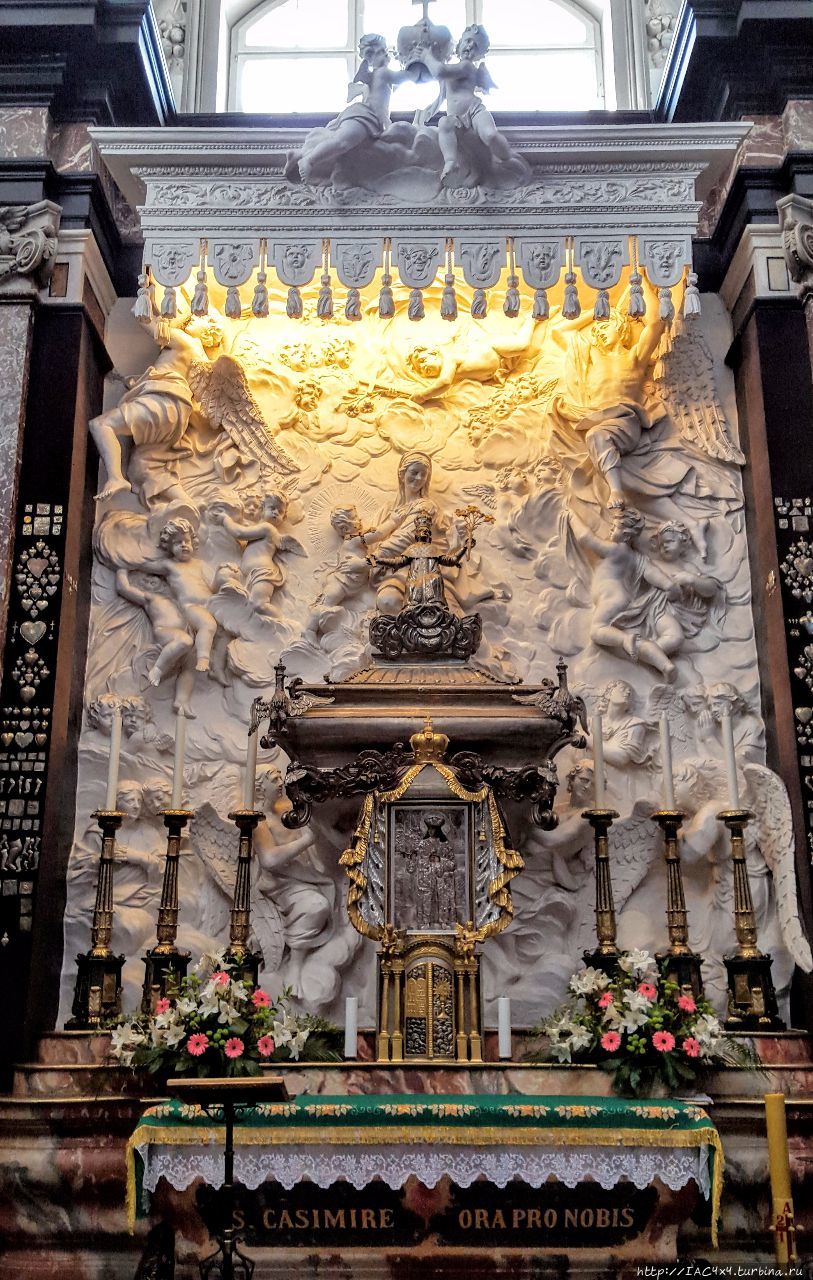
<point x="75" y="1064"/>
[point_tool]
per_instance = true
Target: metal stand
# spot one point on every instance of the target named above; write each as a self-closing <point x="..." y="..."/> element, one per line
<point x="678" y="964"/>
<point x="228" y="1261"/>
<point x="237" y="954"/>
<point x="605" y="956"/>
<point x="97" y="993"/>
<point x="751" y="994"/>
<point x="165" y="966"/>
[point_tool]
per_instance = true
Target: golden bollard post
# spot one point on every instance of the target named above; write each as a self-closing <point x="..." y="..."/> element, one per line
<point x="164" y="964"/>
<point x="678" y="964"/>
<point x="605" y="955"/>
<point x="97" y="993"/>
<point x="751" y="995"/>
<point x="782" y="1219"/>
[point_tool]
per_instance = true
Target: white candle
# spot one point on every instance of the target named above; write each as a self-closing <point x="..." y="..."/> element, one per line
<point x="666" y="764"/>
<point x="250" y="779"/>
<point x="177" y="768"/>
<point x="351" y="1027"/>
<point x="596" y="730"/>
<point x="504" y="1027"/>
<point x="727" y="729"/>
<point x="113" y="763"/>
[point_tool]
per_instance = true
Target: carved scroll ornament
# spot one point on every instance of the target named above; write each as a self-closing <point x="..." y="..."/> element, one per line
<point x="28" y="240"/>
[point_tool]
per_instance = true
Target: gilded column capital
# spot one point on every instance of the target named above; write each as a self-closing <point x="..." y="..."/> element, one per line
<point x="28" y="242"/>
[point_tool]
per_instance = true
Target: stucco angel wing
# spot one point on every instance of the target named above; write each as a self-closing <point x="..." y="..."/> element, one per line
<point x="215" y="843"/>
<point x="633" y="850"/>
<point x="773" y="827"/>
<point x="485" y="493"/>
<point x="292" y="545"/>
<point x="685" y="379"/>
<point x="225" y="397"/>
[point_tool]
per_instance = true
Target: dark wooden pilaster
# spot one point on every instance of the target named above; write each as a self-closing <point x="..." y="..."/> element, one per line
<point x="54" y="521"/>
<point x="771" y="361"/>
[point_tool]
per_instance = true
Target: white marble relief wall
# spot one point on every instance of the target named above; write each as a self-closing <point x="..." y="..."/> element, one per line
<point x="249" y="465"/>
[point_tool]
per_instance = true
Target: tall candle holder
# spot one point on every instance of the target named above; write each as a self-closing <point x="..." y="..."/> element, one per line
<point x="605" y="955"/>
<point x="678" y="964"/>
<point x="751" y="995"/>
<point x="97" y="992"/>
<point x="238" y="954"/>
<point x="164" y="964"/>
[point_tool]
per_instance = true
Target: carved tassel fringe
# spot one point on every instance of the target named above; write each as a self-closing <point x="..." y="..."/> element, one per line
<point x="601" y="311"/>
<point x="324" y="306"/>
<point x="637" y="303"/>
<point x="691" y="298"/>
<point x="448" y="299"/>
<point x="667" y="307"/>
<point x="352" y="306"/>
<point x="163" y="332"/>
<point x="200" y="298"/>
<point x="572" y="308"/>
<point x="169" y="304"/>
<point x="386" y="302"/>
<point x="416" y="310"/>
<point x="541" y="307"/>
<point x="293" y="305"/>
<point x="512" y="300"/>
<point x="233" y="307"/>
<point x="479" y="304"/>
<point x="259" y="303"/>
<point x="142" y="309"/>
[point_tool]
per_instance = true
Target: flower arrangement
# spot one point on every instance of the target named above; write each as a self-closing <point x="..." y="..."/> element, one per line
<point x="217" y="1024"/>
<point x="639" y="1027"/>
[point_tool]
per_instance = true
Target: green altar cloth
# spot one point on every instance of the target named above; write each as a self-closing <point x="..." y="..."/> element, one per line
<point x="507" y="1121"/>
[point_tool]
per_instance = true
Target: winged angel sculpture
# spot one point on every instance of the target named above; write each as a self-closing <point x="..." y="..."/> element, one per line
<point x="156" y="409"/>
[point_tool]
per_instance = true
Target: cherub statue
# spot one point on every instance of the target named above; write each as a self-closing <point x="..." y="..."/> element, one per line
<point x="360" y="122"/>
<point x="625" y="735"/>
<point x="423" y="561"/>
<point x="351" y="574"/>
<point x="261" y="573"/>
<point x="465" y="111"/>
<point x="170" y="630"/>
<point x="701" y="597"/>
<point x="620" y="617"/>
<point x="191" y="590"/>
<point x="138" y="723"/>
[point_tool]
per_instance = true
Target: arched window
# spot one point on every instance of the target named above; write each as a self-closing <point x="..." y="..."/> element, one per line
<point x="299" y="55"/>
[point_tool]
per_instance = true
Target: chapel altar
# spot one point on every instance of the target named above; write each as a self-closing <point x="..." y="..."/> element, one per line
<point x="423" y="749"/>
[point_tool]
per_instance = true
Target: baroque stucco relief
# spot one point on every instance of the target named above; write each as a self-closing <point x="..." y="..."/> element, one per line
<point x="257" y="467"/>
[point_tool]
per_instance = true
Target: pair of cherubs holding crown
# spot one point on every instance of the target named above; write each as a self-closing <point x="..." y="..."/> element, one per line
<point x="374" y="82"/>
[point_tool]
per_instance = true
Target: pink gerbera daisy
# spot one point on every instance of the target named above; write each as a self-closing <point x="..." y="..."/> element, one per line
<point x="234" y="1047"/>
<point x="647" y="989"/>
<point x="260" y="999"/>
<point x="687" y="1004"/>
<point x="221" y="978"/>
<point x="266" y="1046"/>
<point x="197" y="1044"/>
<point x="610" y="1041"/>
<point x="663" y="1041"/>
<point x="691" y="1047"/>
<point x="161" y="1006"/>
<point x="606" y="1000"/>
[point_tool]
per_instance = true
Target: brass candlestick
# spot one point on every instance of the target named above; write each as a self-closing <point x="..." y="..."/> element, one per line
<point x="605" y="956"/>
<point x="97" y="993"/>
<point x="751" y="994"/>
<point x="165" y="966"/>
<point x="247" y="962"/>
<point x="679" y="963"/>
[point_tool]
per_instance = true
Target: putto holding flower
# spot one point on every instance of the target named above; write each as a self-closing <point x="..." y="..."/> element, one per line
<point x="641" y="1028"/>
<point x="217" y="1024"/>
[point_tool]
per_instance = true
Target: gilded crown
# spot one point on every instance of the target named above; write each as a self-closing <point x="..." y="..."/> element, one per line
<point x="428" y="745"/>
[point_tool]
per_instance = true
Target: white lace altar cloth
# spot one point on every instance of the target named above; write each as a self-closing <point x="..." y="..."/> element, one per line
<point x="395" y="1163"/>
